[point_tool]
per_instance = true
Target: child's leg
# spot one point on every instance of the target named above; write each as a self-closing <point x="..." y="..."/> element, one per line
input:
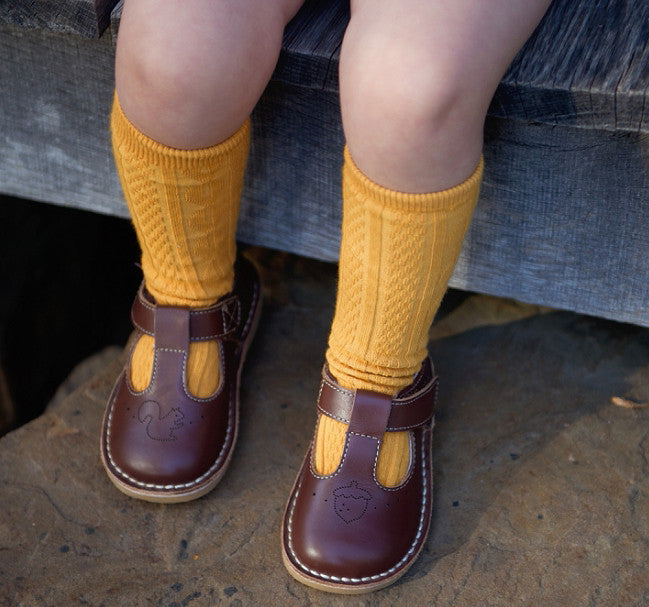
<point x="188" y="75"/>
<point x="416" y="78"/>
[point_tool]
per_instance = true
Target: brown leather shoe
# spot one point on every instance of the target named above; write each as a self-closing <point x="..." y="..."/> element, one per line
<point x="345" y="532"/>
<point x="163" y="444"/>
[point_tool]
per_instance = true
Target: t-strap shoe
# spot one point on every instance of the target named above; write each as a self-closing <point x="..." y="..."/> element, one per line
<point x="163" y="444"/>
<point x="345" y="532"/>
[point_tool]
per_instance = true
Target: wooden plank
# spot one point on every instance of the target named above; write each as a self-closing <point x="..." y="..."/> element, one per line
<point x="561" y="220"/>
<point x="88" y="18"/>
<point x="291" y="198"/>
<point x="54" y="141"/>
<point x="311" y="46"/>
<point x="115" y="17"/>
<point x="586" y="66"/>
<point x="554" y="203"/>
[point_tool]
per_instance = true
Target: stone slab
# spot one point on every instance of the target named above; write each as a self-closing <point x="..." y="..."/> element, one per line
<point x="541" y="484"/>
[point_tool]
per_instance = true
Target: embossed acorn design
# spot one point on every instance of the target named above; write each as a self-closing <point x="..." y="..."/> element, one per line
<point x="350" y="502"/>
<point x="158" y="426"/>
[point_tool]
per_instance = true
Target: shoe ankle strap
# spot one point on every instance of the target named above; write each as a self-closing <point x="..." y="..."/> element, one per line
<point x="212" y="322"/>
<point x="412" y="407"/>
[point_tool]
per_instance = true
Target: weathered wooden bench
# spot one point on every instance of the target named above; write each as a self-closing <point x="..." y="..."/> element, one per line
<point x="563" y="218"/>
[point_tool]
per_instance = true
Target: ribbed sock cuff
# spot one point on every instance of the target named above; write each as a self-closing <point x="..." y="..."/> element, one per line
<point x="136" y="144"/>
<point x="416" y="203"/>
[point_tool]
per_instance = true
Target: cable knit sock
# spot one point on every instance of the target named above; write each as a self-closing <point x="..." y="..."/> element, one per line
<point x="184" y="205"/>
<point x="397" y="254"/>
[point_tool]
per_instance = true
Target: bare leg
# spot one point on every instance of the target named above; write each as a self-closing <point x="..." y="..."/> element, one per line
<point x="416" y="79"/>
<point x="189" y="73"/>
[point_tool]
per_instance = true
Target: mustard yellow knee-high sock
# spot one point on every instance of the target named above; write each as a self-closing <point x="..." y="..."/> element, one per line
<point x="184" y="205"/>
<point x="397" y="254"/>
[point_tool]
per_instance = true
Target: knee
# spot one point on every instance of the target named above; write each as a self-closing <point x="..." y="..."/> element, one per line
<point x="154" y="72"/>
<point x="181" y="73"/>
<point x="413" y="119"/>
<point x="203" y="57"/>
<point x="415" y="95"/>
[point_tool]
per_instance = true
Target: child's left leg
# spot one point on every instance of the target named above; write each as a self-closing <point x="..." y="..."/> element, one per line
<point x="416" y="79"/>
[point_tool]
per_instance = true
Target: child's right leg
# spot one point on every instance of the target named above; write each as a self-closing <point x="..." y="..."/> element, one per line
<point x="188" y="75"/>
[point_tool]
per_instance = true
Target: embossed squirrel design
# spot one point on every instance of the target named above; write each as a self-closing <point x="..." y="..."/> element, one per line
<point x="158" y="426"/>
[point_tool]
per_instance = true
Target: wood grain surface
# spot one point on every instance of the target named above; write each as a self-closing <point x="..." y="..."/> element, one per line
<point x="87" y="18"/>
<point x="563" y="214"/>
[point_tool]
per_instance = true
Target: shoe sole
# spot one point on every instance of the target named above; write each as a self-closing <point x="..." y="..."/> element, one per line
<point x="334" y="588"/>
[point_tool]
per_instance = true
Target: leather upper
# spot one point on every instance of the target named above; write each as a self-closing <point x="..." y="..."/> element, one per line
<point x="164" y="439"/>
<point x="346" y="529"/>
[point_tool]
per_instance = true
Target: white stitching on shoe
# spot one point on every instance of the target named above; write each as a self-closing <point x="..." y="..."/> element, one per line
<point x="336" y="417"/>
<point x="338" y="388"/>
<point x="253" y="306"/>
<point x="406" y="557"/>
